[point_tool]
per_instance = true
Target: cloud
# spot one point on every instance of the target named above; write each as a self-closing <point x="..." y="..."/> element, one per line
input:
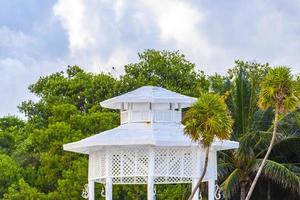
<point x="105" y="34"/>
<point x="101" y="34"/>
<point x="21" y="64"/>
<point x="16" y="75"/>
<point x="181" y="24"/>
<point x="10" y="38"/>
<point x="72" y="15"/>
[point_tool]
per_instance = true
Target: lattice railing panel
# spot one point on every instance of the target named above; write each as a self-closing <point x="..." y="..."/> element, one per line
<point x="131" y="165"/>
<point x="174" y="162"/>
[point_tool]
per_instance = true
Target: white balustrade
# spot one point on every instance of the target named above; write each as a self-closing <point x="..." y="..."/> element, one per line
<point x="145" y="116"/>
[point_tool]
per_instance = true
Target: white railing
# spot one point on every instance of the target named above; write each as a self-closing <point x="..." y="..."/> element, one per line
<point x="167" y="116"/>
<point x="145" y="116"/>
<point x="177" y="115"/>
<point x="140" y="116"/>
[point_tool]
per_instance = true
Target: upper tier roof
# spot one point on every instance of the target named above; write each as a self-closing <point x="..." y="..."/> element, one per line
<point x="149" y="94"/>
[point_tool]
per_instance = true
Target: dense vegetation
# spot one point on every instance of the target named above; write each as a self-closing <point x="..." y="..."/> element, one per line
<point x="34" y="166"/>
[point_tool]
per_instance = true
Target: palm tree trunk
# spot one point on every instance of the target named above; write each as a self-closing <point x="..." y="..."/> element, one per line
<point x="202" y="175"/>
<point x="265" y="158"/>
<point x="243" y="190"/>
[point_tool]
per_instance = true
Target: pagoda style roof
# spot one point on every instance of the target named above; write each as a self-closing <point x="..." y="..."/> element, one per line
<point x="142" y="134"/>
<point x="149" y="94"/>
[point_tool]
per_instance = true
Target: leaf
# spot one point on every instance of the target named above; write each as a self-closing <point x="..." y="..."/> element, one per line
<point x="231" y="185"/>
<point x="280" y="174"/>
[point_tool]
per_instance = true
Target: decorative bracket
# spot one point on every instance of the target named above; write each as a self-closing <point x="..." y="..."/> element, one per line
<point x="103" y="191"/>
<point x="218" y="192"/>
<point x="85" y="191"/>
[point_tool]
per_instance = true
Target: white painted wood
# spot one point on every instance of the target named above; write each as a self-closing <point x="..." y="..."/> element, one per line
<point x="149" y="147"/>
<point x="149" y="94"/>
<point x="124" y="117"/>
<point x="150" y="188"/>
<point x="198" y="169"/>
<point x="91" y="190"/>
<point x="108" y="189"/>
<point x="211" y="189"/>
<point x="140" y="106"/>
<point x="150" y="182"/>
<point x="194" y="183"/>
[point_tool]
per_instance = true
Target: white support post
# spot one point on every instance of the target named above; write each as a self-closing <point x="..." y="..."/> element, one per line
<point x="151" y="112"/>
<point x="129" y="112"/>
<point x="197" y="171"/>
<point x="194" y="183"/>
<point x="211" y="189"/>
<point x="108" y="189"/>
<point x="108" y="180"/>
<point x="91" y="190"/>
<point x="150" y="186"/>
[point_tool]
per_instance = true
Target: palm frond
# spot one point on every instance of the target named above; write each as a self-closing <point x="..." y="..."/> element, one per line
<point x="223" y="170"/>
<point x="225" y="156"/>
<point x="279" y="174"/>
<point x="231" y="185"/>
<point x="279" y="90"/>
<point x="294" y="167"/>
<point x="208" y="118"/>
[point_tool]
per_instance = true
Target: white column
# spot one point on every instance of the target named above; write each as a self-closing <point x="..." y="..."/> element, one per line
<point x="91" y="190"/>
<point x="194" y="183"/>
<point x="108" y="189"/>
<point x="197" y="173"/>
<point x="108" y="180"/>
<point x="150" y="186"/>
<point x="211" y="189"/>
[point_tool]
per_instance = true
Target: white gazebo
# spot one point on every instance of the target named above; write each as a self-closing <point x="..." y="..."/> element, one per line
<point x="149" y="147"/>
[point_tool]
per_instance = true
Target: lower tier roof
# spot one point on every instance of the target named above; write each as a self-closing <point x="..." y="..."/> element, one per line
<point x="142" y="134"/>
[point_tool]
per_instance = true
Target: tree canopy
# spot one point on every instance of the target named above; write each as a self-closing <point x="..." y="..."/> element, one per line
<point x="33" y="164"/>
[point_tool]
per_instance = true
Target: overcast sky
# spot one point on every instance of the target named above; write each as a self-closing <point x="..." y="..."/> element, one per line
<point x="40" y="37"/>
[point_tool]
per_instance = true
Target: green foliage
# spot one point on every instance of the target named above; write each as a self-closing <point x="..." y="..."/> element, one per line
<point x="10" y="173"/>
<point x="166" y="69"/>
<point x="208" y="118"/>
<point x="280" y="174"/>
<point x="231" y="184"/>
<point x="279" y="90"/>
<point x="253" y="129"/>
<point x="33" y="164"/>
<point x="173" y="192"/>
<point x="10" y="133"/>
<point x="22" y="191"/>
<point x="73" y="179"/>
<point x="245" y="79"/>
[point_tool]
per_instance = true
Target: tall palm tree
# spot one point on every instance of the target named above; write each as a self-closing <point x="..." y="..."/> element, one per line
<point x="207" y="119"/>
<point x="237" y="167"/>
<point x="245" y="78"/>
<point x="278" y="91"/>
<point x="252" y="128"/>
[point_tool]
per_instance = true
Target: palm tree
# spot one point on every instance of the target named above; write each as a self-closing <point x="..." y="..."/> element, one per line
<point x="278" y="91"/>
<point x="245" y="79"/>
<point x="252" y="129"/>
<point x="207" y="119"/>
<point x="237" y="167"/>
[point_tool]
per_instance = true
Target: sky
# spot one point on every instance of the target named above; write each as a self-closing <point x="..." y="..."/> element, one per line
<point x="41" y="37"/>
